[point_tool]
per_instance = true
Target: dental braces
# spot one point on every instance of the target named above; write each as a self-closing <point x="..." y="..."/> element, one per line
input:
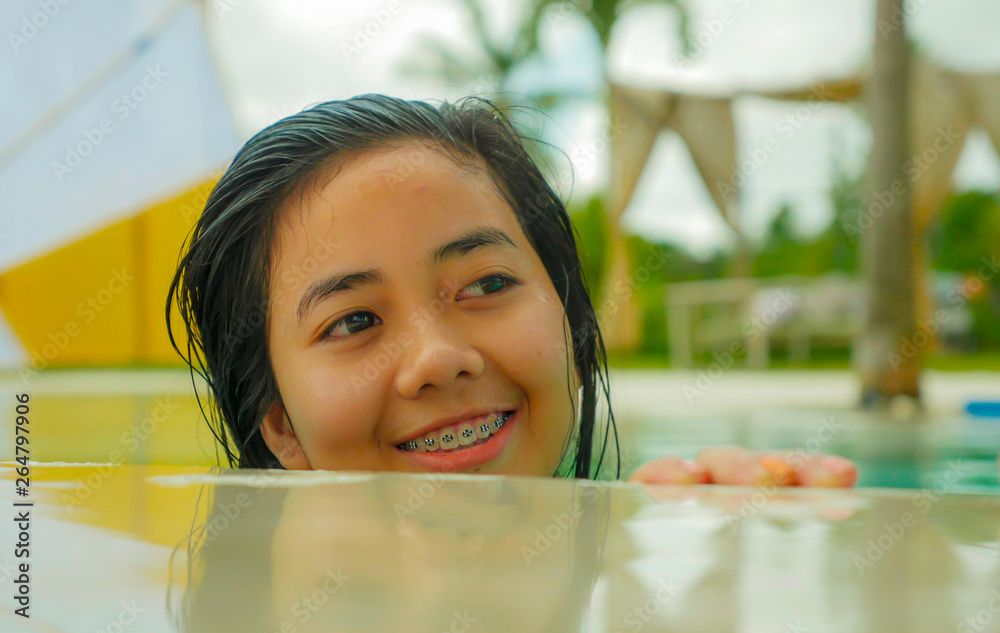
<point x="448" y="437"/>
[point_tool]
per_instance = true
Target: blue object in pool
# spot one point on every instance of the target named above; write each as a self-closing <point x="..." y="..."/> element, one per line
<point x="983" y="408"/>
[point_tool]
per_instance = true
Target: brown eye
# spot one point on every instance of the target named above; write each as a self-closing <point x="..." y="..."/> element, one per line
<point x="494" y="284"/>
<point x="351" y="324"/>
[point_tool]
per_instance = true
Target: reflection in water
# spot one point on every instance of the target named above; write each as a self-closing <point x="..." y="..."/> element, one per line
<point x="274" y="551"/>
<point x="396" y="552"/>
<point x="392" y="553"/>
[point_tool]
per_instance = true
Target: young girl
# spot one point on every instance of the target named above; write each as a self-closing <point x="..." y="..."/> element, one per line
<point x="381" y="284"/>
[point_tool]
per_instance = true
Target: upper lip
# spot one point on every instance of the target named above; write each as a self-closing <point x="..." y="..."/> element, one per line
<point x="453" y="420"/>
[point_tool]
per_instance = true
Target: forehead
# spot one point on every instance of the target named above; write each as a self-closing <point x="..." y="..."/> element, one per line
<point x="389" y="201"/>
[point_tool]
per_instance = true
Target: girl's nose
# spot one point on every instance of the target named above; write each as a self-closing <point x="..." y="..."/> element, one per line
<point x="437" y="354"/>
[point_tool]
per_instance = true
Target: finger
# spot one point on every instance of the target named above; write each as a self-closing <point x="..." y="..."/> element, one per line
<point x="736" y="466"/>
<point x="828" y="471"/>
<point x="782" y="472"/>
<point x="670" y="470"/>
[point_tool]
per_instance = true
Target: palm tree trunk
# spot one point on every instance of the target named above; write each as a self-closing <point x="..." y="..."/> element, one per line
<point x="888" y="360"/>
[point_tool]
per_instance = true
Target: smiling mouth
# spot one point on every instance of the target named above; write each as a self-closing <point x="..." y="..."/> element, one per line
<point x="451" y="439"/>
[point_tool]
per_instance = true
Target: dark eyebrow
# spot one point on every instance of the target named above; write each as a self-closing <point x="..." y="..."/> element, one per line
<point x="481" y="236"/>
<point x="324" y="288"/>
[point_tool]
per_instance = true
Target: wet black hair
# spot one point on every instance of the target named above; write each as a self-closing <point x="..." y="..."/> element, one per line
<point x="222" y="281"/>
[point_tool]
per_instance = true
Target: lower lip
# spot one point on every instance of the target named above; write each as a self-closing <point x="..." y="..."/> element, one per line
<point x="456" y="460"/>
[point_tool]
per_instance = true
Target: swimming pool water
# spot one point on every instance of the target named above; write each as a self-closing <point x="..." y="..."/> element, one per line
<point x="959" y="452"/>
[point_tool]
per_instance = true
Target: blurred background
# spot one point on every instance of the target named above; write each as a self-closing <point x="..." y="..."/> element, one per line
<point x="789" y="209"/>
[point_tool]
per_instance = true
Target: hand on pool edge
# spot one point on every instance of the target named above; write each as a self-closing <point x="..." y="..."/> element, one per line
<point x="737" y="466"/>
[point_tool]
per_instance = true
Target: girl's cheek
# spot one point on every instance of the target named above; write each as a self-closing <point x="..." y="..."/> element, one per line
<point x="337" y="413"/>
<point x="522" y="343"/>
<point x="539" y="358"/>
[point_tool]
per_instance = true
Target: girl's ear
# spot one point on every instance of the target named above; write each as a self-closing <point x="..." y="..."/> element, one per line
<point x="281" y="440"/>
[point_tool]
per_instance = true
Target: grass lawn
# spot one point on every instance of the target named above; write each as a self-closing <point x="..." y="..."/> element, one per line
<point x="821" y="359"/>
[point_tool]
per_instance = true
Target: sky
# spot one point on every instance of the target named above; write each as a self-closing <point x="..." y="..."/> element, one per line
<point x="276" y="58"/>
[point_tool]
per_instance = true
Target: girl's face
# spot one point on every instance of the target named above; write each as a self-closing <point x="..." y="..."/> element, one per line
<point x="407" y="305"/>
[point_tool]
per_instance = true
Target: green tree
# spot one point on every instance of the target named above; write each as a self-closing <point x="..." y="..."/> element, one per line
<point x="966" y="230"/>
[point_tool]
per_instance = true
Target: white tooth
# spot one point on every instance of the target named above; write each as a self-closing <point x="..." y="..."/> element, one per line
<point x="420" y="448"/>
<point x="434" y="435"/>
<point x="449" y="443"/>
<point x="480" y="433"/>
<point x="466" y="434"/>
